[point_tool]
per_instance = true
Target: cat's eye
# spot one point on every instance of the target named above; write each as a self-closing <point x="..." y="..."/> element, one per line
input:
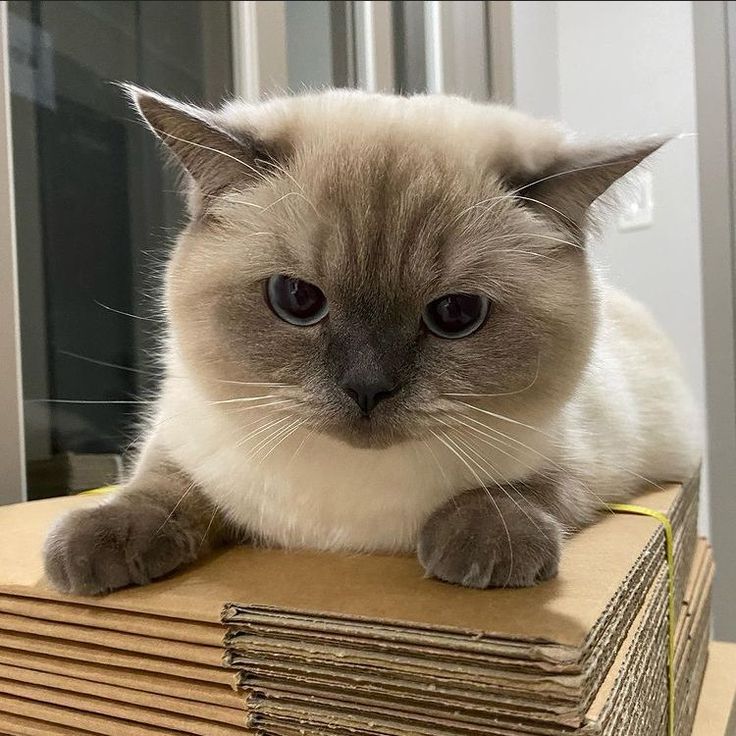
<point x="456" y="315"/>
<point x="295" y="301"/>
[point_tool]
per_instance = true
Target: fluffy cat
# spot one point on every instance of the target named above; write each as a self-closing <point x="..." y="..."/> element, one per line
<point x="385" y="334"/>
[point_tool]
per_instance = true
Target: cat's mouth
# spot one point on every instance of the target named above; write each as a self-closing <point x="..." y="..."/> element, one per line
<point x="369" y="432"/>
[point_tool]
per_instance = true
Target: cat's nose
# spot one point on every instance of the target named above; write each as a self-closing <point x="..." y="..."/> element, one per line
<point x="367" y="394"/>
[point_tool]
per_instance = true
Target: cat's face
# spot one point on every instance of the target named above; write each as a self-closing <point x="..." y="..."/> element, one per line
<point x="370" y="280"/>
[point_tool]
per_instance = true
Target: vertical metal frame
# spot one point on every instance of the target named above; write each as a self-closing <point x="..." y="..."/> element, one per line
<point x="374" y="45"/>
<point x="437" y="22"/>
<point x="715" y="78"/>
<point x="12" y="450"/>
<point x="458" y="50"/>
<point x="259" y="48"/>
<point x="499" y="27"/>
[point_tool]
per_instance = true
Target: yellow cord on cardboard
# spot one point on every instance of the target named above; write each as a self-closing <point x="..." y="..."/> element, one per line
<point x="628" y="508"/>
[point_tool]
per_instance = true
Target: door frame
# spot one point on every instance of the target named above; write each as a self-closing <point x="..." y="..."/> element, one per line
<point x="714" y="24"/>
<point x="12" y="440"/>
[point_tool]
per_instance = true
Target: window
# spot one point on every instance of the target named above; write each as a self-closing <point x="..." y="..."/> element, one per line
<point x="96" y="212"/>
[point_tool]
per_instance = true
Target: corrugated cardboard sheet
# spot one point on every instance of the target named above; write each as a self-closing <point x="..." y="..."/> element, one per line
<point x="349" y="644"/>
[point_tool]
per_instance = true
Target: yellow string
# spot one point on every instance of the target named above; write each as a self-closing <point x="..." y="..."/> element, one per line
<point x="98" y="491"/>
<point x="628" y="508"/>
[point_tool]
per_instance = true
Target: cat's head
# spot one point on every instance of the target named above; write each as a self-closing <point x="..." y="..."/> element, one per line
<point x="378" y="262"/>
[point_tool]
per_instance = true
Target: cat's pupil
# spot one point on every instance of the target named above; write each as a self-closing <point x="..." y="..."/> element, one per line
<point x="295" y="301"/>
<point x="456" y="315"/>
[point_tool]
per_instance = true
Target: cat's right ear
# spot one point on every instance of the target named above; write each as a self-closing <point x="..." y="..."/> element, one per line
<point x="214" y="158"/>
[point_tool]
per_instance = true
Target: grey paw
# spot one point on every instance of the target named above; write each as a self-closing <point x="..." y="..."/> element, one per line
<point x="473" y="542"/>
<point x="97" y="550"/>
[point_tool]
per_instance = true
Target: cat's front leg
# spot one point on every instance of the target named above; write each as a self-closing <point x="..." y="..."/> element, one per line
<point x="484" y="538"/>
<point x="154" y="525"/>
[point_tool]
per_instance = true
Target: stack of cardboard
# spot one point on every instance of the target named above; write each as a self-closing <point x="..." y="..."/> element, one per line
<point x="716" y="712"/>
<point x="311" y="643"/>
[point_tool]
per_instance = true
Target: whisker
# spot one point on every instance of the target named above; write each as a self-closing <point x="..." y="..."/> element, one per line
<point x="443" y="439"/>
<point x="503" y="418"/>
<point x="308" y="436"/>
<point x="505" y="393"/>
<point x="575" y="171"/>
<point x="470" y="448"/>
<point x="189" y="489"/>
<point x="569" y="219"/>
<point x="209" y="526"/>
<point x="242" y="400"/>
<point x="244" y="164"/>
<point x="270" y="437"/>
<point x="491" y="441"/>
<point x="544" y="457"/>
<point x="127" y="314"/>
<point x="255" y="383"/>
<point x="261" y="429"/>
<point x="289" y="432"/>
<point x="104" y="363"/>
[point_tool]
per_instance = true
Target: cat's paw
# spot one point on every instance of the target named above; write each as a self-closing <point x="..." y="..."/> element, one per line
<point x="97" y="550"/>
<point x="481" y="542"/>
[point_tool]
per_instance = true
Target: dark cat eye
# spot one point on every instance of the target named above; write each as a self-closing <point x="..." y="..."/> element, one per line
<point x="456" y="315"/>
<point x="295" y="301"/>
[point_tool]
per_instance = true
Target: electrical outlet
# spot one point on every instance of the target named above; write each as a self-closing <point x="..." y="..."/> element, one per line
<point x="638" y="212"/>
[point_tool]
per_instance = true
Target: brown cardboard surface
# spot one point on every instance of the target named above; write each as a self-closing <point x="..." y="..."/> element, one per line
<point x="167" y="648"/>
<point x="18" y="726"/>
<point x="314" y="708"/>
<point x="648" y="622"/>
<point x="78" y="721"/>
<point x="562" y="611"/>
<point x="38" y="695"/>
<point x="272" y="671"/>
<point x="438" y="705"/>
<point x="194" y="708"/>
<point x="125" y="678"/>
<point x="114" y="657"/>
<point x="716" y="711"/>
<point x="544" y="649"/>
<point x="191" y="632"/>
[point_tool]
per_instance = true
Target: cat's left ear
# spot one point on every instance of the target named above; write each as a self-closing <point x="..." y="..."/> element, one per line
<point x="213" y="156"/>
<point x="579" y="175"/>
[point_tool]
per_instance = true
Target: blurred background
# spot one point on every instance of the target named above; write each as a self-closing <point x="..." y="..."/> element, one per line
<point x="88" y="213"/>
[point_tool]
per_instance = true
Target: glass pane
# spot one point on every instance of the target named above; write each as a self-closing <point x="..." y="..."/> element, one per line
<point x="96" y="212"/>
<point x="409" y="46"/>
<point x="320" y="44"/>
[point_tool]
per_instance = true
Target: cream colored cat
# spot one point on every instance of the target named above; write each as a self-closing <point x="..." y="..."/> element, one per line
<point x="386" y="334"/>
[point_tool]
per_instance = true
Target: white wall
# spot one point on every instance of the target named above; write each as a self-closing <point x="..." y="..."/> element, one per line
<point x="535" y="53"/>
<point x="627" y="69"/>
<point x="623" y="69"/>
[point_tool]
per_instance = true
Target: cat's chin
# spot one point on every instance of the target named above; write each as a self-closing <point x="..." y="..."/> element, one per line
<point x="368" y="434"/>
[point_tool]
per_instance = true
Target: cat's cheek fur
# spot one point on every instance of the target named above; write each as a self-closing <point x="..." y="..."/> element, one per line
<point x="485" y="539"/>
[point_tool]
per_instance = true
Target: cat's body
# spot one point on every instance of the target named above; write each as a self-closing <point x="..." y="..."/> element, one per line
<point x="484" y="450"/>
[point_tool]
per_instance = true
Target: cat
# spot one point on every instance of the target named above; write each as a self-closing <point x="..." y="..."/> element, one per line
<point x="386" y="334"/>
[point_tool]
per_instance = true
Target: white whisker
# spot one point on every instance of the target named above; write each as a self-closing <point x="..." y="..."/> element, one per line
<point x="503" y="418"/>
<point x="127" y="314"/>
<point x="470" y="448"/>
<point x="443" y="439"/>
<point x="505" y="393"/>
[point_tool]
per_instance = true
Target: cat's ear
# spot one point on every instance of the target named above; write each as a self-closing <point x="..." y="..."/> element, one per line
<point x="214" y="157"/>
<point x="579" y="175"/>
